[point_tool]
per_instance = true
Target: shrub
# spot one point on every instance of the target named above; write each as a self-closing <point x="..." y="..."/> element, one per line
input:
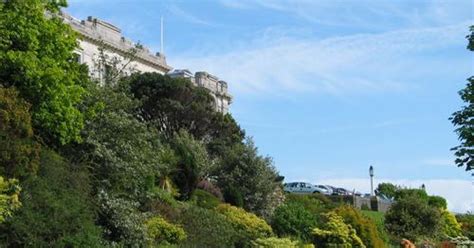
<point x="160" y="231"/>
<point x="336" y="233"/>
<point x="467" y="224"/>
<point x="56" y="209"/>
<point x="274" y="242"/>
<point x="365" y="228"/>
<point x="193" y="162"/>
<point x="450" y="226"/>
<point x="253" y="175"/>
<point x="411" y="217"/>
<point x="9" y="191"/>
<point x="19" y="154"/>
<point x="252" y="226"/>
<point x="233" y="196"/>
<point x="204" y="199"/>
<point x="121" y="219"/>
<point x="207" y="228"/>
<point x="292" y="219"/>
<point x="316" y="204"/>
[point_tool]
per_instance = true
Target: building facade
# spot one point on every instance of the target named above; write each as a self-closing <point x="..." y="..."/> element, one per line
<point x="103" y="49"/>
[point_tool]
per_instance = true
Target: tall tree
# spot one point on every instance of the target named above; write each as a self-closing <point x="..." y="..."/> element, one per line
<point x="243" y="170"/>
<point x="36" y="56"/>
<point x="463" y="120"/>
<point x="172" y="104"/>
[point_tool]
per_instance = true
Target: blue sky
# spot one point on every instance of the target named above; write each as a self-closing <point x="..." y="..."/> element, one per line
<point x="327" y="87"/>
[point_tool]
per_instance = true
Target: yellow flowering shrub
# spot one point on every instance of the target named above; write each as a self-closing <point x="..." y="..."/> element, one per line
<point x="336" y="233"/>
<point x="450" y="225"/>
<point x="160" y="231"/>
<point x="9" y="191"/>
<point x="274" y="242"/>
<point x="253" y="226"/>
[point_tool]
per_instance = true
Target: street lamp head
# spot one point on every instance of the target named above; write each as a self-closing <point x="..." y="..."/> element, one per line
<point x="371" y="171"/>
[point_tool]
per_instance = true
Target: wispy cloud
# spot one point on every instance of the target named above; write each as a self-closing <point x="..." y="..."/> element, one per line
<point x="365" y="62"/>
<point x="458" y="193"/>
<point x="177" y="11"/>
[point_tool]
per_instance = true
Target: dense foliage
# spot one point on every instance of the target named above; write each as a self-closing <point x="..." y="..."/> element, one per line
<point x="19" y="153"/>
<point x="462" y="119"/>
<point x="9" y="202"/>
<point x="293" y="219"/>
<point x="365" y="227"/>
<point x="145" y="161"/>
<point x="413" y="218"/>
<point x="36" y="57"/>
<point x="335" y="232"/>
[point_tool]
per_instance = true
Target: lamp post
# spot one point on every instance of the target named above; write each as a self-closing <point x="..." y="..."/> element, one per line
<point x="371" y="173"/>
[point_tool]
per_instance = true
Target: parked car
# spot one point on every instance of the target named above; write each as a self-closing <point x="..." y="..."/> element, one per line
<point x="329" y="189"/>
<point x="303" y="188"/>
<point x="341" y="191"/>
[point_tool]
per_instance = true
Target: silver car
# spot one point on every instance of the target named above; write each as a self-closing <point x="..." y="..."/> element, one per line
<point x="303" y="188"/>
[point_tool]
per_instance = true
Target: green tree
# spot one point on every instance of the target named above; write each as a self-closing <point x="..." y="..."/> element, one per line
<point x="36" y="56"/>
<point x="19" y="153"/>
<point x="193" y="163"/>
<point x="412" y="218"/>
<point x="387" y="189"/>
<point x="254" y="176"/>
<point x="121" y="151"/>
<point x="462" y="120"/>
<point x="172" y="104"/>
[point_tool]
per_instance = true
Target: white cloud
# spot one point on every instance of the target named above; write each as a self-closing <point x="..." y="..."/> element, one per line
<point x="458" y="193"/>
<point x="179" y="12"/>
<point x="364" y="62"/>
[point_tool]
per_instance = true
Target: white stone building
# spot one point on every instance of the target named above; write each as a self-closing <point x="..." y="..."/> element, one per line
<point x="102" y="46"/>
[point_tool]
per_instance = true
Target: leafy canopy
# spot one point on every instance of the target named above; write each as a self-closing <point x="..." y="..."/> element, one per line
<point x="463" y="120"/>
<point x="36" y="56"/>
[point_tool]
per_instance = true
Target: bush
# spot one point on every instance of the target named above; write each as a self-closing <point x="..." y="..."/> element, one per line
<point x="233" y="196"/>
<point x="207" y="228"/>
<point x="450" y="226"/>
<point x="365" y="228"/>
<point x="336" y="233"/>
<point x="204" y="199"/>
<point x="56" y="209"/>
<point x="467" y="224"/>
<point x="160" y="231"/>
<point x="274" y="242"/>
<point x="292" y="219"/>
<point x="252" y="226"/>
<point x="316" y="204"/>
<point x="121" y="219"/>
<point x="254" y="177"/>
<point x="19" y="154"/>
<point x="411" y="217"/>
<point x="9" y="191"/>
